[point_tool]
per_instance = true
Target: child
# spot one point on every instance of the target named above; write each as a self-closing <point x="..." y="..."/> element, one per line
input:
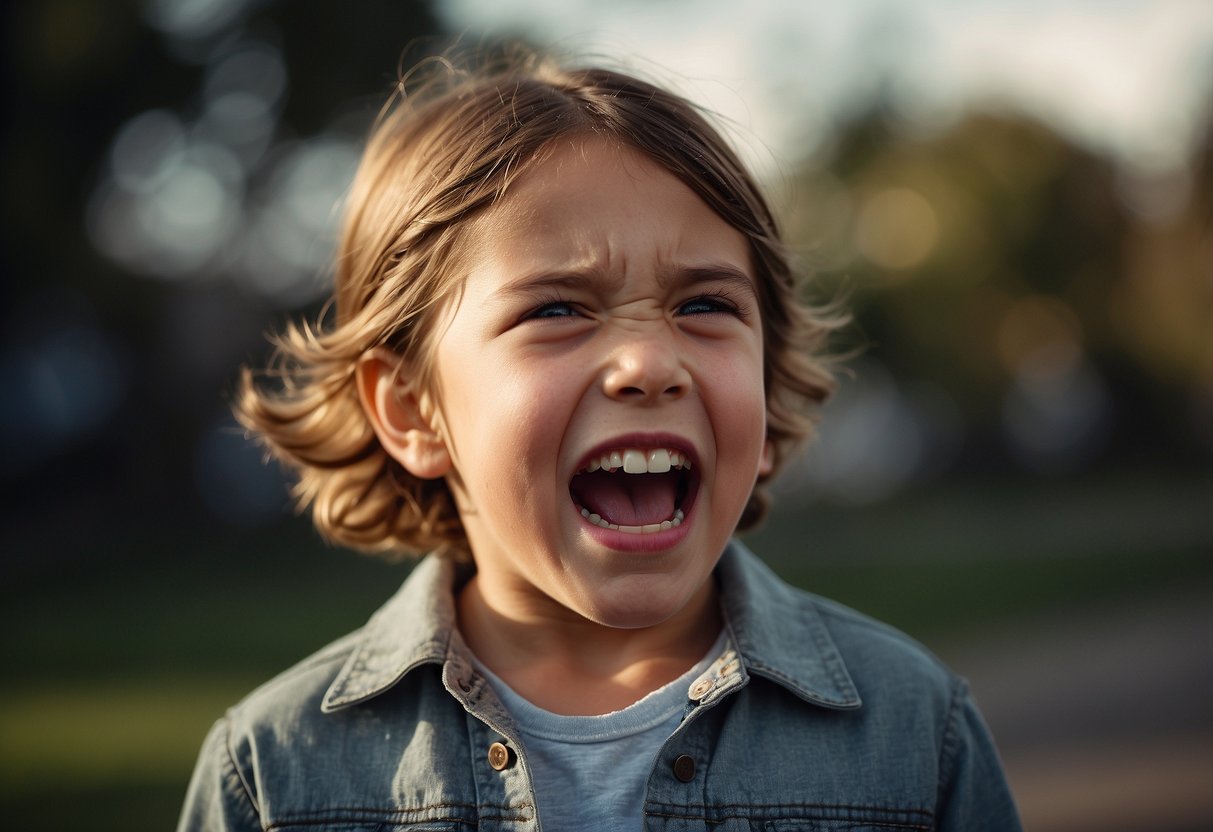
<point x="566" y="353"/>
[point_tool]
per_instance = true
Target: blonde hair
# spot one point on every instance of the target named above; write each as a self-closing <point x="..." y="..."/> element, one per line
<point x="444" y="150"/>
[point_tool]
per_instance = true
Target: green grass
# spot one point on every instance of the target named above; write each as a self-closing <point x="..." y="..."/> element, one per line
<point x="938" y="600"/>
<point x="103" y="734"/>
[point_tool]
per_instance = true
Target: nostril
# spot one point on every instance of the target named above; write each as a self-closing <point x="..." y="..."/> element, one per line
<point x="643" y="373"/>
<point x="674" y="390"/>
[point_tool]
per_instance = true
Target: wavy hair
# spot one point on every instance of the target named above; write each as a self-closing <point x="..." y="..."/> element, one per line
<point x="444" y="149"/>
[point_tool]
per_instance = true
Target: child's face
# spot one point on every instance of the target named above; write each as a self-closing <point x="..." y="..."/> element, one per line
<point x="607" y="310"/>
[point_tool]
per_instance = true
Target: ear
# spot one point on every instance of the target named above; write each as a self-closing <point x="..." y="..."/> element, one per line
<point x="401" y="415"/>
<point x="766" y="462"/>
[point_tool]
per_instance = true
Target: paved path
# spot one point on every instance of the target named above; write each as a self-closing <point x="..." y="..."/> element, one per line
<point x="1104" y="718"/>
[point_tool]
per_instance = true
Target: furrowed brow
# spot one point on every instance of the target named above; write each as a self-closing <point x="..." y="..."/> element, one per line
<point x="718" y="273"/>
<point x="541" y="283"/>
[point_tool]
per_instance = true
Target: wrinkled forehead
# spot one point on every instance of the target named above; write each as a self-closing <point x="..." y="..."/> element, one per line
<point x="596" y="208"/>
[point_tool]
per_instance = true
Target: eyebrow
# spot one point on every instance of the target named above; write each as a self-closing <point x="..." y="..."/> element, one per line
<point x="713" y="273"/>
<point x="572" y="279"/>
<point x="586" y="279"/>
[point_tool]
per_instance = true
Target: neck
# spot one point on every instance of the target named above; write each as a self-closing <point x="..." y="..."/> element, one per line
<point x="600" y="669"/>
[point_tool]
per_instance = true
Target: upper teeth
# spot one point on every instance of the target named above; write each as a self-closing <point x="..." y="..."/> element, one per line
<point x="636" y="461"/>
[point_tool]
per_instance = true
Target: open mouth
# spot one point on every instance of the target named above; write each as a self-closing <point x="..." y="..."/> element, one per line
<point x="636" y="490"/>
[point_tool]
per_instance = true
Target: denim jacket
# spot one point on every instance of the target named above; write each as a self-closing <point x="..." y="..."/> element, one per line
<point x="814" y="718"/>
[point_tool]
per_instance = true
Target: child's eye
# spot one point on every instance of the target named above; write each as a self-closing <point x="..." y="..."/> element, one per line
<point x="552" y="309"/>
<point x="708" y="305"/>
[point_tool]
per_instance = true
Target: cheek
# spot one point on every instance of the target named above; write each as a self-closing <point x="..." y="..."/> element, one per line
<point x="537" y="399"/>
<point x="741" y="395"/>
<point x="519" y="416"/>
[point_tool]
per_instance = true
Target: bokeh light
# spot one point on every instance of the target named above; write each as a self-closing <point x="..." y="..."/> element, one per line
<point x="218" y="192"/>
<point x="897" y="229"/>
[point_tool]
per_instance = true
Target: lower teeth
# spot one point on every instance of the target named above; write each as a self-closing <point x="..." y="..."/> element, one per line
<point x="648" y="528"/>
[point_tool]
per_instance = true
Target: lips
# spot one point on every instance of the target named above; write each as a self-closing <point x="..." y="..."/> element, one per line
<point x="636" y="489"/>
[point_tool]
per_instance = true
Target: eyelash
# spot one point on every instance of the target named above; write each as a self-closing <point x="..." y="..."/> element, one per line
<point x="721" y="302"/>
<point x="545" y="304"/>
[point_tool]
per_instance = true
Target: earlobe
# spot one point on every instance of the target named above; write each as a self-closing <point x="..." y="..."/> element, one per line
<point x="400" y="415"/>
<point x="766" y="462"/>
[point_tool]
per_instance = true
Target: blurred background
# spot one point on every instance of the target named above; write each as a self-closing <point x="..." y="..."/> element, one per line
<point x="1015" y="197"/>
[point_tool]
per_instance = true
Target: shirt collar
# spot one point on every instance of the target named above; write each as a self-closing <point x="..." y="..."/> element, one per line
<point x="779" y="635"/>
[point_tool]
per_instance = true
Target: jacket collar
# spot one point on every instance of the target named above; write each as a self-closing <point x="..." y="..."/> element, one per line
<point x="415" y="627"/>
<point x="779" y="632"/>
<point x="776" y="629"/>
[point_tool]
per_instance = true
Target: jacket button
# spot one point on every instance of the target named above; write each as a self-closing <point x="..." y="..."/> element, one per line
<point x="684" y="768"/>
<point x="499" y="756"/>
<point x="700" y="689"/>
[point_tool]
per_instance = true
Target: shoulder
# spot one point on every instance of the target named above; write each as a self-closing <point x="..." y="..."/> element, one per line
<point x="226" y="790"/>
<point x="825" y="651"/>
<point x="399" y="654"/>
<point x="898" y="726"/>
<point x="412" y="629"/>
<point x="884" y="661"/>
<point x="864" y="638"/>
<point x="295" y="695"/>
<point x="358" y="704"/>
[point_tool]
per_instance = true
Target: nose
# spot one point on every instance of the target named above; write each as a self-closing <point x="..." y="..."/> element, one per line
<point x="646" y="369"/>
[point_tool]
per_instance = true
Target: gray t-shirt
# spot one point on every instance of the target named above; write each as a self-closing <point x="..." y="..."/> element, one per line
<point x="590" y="772"/>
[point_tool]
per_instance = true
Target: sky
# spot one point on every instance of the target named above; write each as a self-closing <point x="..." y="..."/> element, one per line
<point x="1131" y="78"/>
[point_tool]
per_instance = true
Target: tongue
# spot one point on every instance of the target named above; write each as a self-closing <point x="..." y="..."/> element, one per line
<point x="627" y="499"/>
